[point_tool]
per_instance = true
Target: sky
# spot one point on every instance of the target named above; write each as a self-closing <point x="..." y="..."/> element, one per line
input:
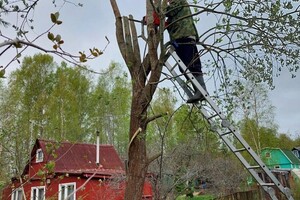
<point x="88" y="26"/>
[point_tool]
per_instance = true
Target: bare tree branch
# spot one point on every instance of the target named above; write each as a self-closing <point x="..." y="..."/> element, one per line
<point x="150" y="119"/>
<point x="152" y="158"/>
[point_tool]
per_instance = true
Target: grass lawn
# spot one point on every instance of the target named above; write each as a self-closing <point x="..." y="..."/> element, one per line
<point x="201" y="197"/>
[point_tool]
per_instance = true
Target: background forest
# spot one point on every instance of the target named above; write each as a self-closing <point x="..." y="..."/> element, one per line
<point x="43" y="99"/>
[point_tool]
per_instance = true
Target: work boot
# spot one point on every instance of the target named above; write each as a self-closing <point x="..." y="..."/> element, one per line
<point x="198" y="96"/>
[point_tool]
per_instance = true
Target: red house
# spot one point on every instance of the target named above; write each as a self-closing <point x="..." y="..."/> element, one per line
<point x="64" y="170"/>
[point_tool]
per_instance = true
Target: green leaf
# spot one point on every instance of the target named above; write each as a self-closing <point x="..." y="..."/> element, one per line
<point x="51" y="36"/>
<point x="56" y="15"/>
<point x="18" y="45"/>
<point x="227" y="4"/>
<point x="82" y="57"/>
<point x="53" y="18"/>
<point x="50" y="166"/>
<point x="2" y="73"/>
<point x="58" y="38"/>
<point x="40" y="173"/>
<point x="61" y="42"/>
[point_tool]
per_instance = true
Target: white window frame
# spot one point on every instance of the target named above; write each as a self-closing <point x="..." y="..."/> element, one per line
<point x="37" y="189"/>
<point x="17" y="194"/>
<point x="65" y="192"/>
<point x="39" y="158"/>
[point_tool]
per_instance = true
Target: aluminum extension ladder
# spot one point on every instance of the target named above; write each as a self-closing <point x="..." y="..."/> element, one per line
<point x="224" y="129"/>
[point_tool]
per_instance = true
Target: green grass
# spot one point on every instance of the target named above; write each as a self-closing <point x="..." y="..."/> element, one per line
<point x="202" y="197"/>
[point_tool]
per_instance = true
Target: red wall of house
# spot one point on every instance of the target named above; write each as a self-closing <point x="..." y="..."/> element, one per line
<point x="93" y="190"/>
<point x="35" y="168"/>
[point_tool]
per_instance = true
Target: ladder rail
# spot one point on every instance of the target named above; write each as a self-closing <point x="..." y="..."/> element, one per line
<point x="178" y="79"/>
<point x="230" y="129"/>
<point x="191" y="77"/>
<point x="245" y="162"/>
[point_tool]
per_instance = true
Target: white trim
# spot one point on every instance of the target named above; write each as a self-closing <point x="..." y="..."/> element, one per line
<point x="15" y="194"/>
<point x="37" y="188"/>
<point x="66" y="191"/>
<point x="37" y="158"/>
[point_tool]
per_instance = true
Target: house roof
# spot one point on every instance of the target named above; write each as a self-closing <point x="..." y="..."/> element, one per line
<point x="291" y="156"/>
<point x="79" y="158"/>
<point x="287" y="153"/>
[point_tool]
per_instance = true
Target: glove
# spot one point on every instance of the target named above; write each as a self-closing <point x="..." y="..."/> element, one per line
<point x="156" y="19"/>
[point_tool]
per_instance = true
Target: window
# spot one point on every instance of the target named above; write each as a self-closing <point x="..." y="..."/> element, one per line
<point x="296" y="153"/>
<point x="38" y="193"/>
<point x="67" y="190"/>
<point x="276" y="167"/>
<point x="39" y="155"/>
<point x="17" y="194"/>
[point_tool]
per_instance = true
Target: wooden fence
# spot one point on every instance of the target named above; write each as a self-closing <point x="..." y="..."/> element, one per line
<point x="245" y="195"/>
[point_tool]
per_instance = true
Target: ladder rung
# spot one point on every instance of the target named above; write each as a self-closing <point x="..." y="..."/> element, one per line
<point x="215" y="115"/>
<point x="173" y="67"/>
<point x="254" y="167"/>
<point x="226" y="133"/>
<point x="266" y="184"/>
<point x="239" y="150"/>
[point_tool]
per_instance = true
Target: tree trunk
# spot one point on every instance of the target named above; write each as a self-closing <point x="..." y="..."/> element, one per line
<point x="142" y="93"/>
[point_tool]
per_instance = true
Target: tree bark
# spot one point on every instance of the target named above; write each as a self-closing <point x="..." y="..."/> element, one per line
<point x="142" y="93"/>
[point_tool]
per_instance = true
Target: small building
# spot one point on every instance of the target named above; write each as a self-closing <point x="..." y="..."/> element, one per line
<point x="296" y="152"/>
<point x="64" y="170"/>
<point x="276" y="158"/>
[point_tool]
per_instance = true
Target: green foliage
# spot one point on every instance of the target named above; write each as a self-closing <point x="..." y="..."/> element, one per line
<point x="110" y="107"/>
<point x="49" y="166"/>
<point x="295" y="189"/>
<point x="67" y="103"/>
<point x="285" y="142"/>
<point x="200" y="197"/>
<point x="258" y="137"/>
<point x="2" y="73"/>
<point x="161" y="129"/>
<point x="252" y="40"/>
<point x="40" y="173"/>
<point x="50" y="101"/>
<point x="93" y="53"/>
<point x="228" y="4"/>
<point x="22" y="106"/>
<point x="96" y="52"/>
<point x="56" y="40"/>
<point x="54" y="18"/>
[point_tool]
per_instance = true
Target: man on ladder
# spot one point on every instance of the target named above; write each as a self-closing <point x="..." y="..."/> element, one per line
<point x="184" y="36"/>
